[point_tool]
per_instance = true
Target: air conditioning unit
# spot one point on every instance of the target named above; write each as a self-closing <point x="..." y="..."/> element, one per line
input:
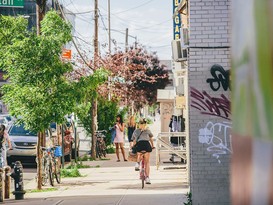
<point x="180" y="53"/>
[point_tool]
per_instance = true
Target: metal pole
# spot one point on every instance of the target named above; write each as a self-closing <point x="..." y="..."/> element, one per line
<point x="7" y="181"/>
<point x="109" y="27"/>
<point x="62" y="130"/>
<point x="126" y="40"/>
<point x="76" y="145"/>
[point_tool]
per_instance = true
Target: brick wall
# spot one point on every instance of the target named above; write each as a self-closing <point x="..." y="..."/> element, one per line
<point x="209" y="94"/>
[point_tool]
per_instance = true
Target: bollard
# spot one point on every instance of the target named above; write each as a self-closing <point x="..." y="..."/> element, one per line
<point x="17" y="175"/>
<point x="1" y="185"/>
<point x="7" y="170"/>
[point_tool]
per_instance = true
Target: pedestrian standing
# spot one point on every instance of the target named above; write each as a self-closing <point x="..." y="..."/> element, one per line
<point x="119" y="139"/>
<point x="131" y="128"/>
<point x="4" y="137"/>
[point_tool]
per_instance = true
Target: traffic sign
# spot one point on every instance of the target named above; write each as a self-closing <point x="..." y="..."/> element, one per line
<point x="66" y="54"/>
<point x="12" y="3"/>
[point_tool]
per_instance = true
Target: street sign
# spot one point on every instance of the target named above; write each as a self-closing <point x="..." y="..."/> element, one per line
<point x="12" y="3"/>
<point x="66" y="54"/>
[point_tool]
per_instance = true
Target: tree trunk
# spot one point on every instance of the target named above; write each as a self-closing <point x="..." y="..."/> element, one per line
<point x="39" y="161"/>
<point x="40" y="13"/>
<point x="94" y="126"/>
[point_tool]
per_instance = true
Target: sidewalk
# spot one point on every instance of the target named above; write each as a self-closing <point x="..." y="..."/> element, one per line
<point x="114" y="182"/>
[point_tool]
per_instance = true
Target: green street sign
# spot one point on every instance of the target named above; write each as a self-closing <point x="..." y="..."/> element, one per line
<point x="12" y="3"/>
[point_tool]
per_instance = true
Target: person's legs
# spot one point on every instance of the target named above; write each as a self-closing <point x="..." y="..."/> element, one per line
<point x="122" y="151"/>
<point x="138" y="161"/>
<point x="147" y="167"/>
<point x="117" y="150"/>
<point x="147" y="163"/>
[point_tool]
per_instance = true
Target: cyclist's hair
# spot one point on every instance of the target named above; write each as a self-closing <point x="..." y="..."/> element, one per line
<point x="142" y="121"/>
<point x="120" y="118"/>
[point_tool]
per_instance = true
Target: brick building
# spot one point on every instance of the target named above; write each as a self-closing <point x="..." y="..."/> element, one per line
<point x="208" y="71"/>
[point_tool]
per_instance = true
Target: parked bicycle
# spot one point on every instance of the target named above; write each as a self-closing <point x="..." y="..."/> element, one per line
<point x="51" y="165"/>
<point x="100" y="143"/>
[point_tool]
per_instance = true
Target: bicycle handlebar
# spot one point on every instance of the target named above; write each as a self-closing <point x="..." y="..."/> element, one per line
<point x="100" y="131"/>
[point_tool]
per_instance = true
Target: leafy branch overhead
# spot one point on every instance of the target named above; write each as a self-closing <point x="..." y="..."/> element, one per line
<point x="40" y="90"/>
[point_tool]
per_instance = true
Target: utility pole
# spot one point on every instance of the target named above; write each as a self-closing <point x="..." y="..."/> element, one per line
<point x="126" y="40"/>
<point x="136" y="42"/>
<point x="109" y="27"/>
<point x="95" y="101"/>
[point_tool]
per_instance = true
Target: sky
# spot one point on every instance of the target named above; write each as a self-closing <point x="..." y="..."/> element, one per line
<point x="148" y="21"/>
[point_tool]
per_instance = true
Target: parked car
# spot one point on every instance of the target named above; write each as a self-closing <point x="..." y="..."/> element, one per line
<point x="24" y="143"/>
<point x="6" y="120"/>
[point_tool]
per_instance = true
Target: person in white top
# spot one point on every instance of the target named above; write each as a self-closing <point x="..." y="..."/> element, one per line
<point x="4" y="137"/>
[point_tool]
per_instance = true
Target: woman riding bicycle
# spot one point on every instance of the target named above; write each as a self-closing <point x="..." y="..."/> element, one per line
<point x="144" y="139"/>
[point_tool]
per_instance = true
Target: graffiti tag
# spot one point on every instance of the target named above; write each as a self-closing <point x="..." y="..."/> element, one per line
<point x="218" y="137"/>
<point x="220" y="77"/>
<point x="210" y="105"/>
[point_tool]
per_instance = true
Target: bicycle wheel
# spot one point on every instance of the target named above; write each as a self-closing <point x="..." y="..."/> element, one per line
<point x="142" y="173"/>
<point x="142" y="178"/>
<point x="58" y="170"/>
<point x="103" y="147"/>
<point x="98" y="151"/>
<point x="50" y="173"/>
<point x="44" y="172"/>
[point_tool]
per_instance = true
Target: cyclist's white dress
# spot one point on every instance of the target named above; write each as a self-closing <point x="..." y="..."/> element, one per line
<point x="119" y="136"/>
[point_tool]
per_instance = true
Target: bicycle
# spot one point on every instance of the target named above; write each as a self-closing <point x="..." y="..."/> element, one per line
<point x="142" y="175"/>
<point x="51" y="166"/>
<point x="100" y="144"/>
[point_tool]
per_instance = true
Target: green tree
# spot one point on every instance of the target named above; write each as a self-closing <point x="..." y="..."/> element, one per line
<point x="39" y="91"/>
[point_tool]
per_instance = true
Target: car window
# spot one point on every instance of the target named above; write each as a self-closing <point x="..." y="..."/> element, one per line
<point x="2" y="121"/>
<point x="20" y="131"/>
<point x="8" y="118"/>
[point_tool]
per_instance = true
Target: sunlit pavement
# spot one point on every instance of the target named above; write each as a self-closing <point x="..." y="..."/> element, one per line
<point x="111" y="182"/>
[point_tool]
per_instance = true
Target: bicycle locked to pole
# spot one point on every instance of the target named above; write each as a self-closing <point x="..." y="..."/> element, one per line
<point x="51" y="165"/>
<point x="100" y="143"/>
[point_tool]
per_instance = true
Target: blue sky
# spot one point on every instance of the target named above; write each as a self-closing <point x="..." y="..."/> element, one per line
<point x="150" y="21"/>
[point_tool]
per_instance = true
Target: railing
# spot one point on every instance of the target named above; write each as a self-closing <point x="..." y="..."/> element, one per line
<point x="163" y="144"/>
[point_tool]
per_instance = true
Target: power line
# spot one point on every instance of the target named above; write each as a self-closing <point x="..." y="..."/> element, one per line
<point x="73" y="41"/>
<point x="135" y="7"/>
<point x="78" y="13"/>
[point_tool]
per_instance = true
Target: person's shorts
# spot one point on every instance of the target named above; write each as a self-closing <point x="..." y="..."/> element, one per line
<point x="144" y="146"/>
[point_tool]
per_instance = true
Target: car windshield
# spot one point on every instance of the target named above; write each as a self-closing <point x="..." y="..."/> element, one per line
<point x="20" y="131"/>
<point x="8" y="118"/>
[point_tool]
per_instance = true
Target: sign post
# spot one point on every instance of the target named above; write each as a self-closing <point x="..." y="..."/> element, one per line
<point x="12" y="3"/>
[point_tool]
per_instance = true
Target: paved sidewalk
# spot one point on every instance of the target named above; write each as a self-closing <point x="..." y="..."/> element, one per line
<point x="114" y="182"/>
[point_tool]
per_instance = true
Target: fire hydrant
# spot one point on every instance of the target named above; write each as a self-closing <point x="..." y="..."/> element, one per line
<point x="17" y="175"/>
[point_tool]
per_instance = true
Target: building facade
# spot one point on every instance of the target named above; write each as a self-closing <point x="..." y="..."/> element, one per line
<point x="208" y="92"/>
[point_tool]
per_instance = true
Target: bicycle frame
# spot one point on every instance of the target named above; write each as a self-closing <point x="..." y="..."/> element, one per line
<point x="142" y="170"/>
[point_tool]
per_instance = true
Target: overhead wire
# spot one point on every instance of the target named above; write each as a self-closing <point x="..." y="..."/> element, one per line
<point x="73" y="41"/>
<point x="144" y="4"/>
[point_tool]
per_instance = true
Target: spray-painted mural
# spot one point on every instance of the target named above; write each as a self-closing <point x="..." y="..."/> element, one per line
<point x="216" y="136"/>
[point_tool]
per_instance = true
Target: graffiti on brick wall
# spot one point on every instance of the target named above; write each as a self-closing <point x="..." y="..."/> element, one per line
<point x="220" y="78"/>
<point x="218" y="138"/>
<point x="214" y="106"/>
